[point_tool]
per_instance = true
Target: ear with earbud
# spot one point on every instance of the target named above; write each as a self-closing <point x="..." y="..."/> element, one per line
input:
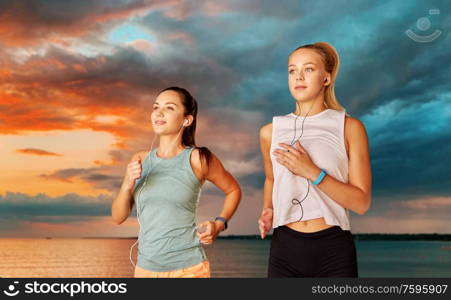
<point x="185" y="123"/>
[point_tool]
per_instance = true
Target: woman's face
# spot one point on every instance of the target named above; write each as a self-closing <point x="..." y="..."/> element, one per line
<point x="306" y="74"/>
<point x="168" y="113"/>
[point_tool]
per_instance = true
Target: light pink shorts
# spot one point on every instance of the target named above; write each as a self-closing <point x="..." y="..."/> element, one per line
<point x="201" y="270"/>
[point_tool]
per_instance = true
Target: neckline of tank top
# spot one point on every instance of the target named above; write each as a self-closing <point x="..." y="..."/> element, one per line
<point x="312" y="116"/>
<point x="168" y="158"/>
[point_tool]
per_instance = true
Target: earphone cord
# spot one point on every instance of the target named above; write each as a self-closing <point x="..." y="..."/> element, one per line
<point x="139" y="194"/>
<point x="137" y="207"/>
<point x="295" y="201"/>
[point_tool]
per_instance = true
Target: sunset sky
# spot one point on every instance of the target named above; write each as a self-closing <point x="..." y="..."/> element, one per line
<point x="78" y="78"/>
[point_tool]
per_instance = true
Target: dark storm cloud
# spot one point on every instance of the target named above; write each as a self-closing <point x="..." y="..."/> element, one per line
<point x="90" y="175"/>
<point x="410" y="150"/>
<point x="30" y="23"/>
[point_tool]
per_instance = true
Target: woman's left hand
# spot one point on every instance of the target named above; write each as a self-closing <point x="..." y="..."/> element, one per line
<point x="210" y="230"/>
<point x="297" y="160"/>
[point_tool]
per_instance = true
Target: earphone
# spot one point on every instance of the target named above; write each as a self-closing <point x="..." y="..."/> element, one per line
<point x="295" y="201"/>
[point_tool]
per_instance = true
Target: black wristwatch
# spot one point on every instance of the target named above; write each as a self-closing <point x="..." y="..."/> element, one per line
<point x="223" y="220"/>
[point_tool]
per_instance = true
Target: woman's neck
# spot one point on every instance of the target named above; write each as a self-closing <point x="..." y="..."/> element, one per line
<point x="170" y="146"/>
<point x="310" y="107"/>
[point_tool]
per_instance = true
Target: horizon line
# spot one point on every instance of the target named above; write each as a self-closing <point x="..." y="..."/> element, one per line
<point x="225" y="236"/>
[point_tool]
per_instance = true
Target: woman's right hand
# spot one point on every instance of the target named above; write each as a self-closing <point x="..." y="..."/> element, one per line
<point x="265" y="222"/>
<point x="133" y="172"/>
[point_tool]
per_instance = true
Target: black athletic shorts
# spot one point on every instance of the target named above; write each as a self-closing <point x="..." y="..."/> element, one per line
<point x="326" y="253"/>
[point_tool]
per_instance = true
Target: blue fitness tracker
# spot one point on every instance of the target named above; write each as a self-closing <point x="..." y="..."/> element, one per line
<point x="320" y="177"/>
<point x="223" y="220"/>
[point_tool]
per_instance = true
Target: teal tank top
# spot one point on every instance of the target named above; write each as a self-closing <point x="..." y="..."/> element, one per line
<point x="166" y="197"/>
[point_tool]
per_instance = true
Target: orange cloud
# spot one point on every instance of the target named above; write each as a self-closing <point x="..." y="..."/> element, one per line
<point x="36" y="152"/>
<point x="4" y="73"/>
<point x="184" y="9"/>
<point x="79" y="68"/>
<point x="29" y="103"/>
<point x="140" y="45"/>
<point x="25" y="119"/>
<point x="214" y="8"/>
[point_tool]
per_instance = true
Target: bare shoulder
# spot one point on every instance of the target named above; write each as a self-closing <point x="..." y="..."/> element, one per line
<point x="266" y="132"/>
<point x="354" y="126"/>
<point x="196" y="159"/>
<point x="355" y="132"/>
<point x="199" y="167"/>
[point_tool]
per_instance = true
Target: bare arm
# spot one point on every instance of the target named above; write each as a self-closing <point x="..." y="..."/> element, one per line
<point x="123" y="204"/>
<point x="265" y="220"/>
<point x="265" y="146"/>
<point x="219" y="176"/>
<point x="356" y="194"/>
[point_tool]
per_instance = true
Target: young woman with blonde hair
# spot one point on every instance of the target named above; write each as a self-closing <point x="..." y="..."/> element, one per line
<point x="317" y="168"/>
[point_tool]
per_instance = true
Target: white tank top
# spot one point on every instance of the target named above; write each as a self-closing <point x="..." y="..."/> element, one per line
<point x="323" y="139"/>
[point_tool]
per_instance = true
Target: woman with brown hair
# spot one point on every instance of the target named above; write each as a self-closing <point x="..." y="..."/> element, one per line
<point x="165" y="184"/>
